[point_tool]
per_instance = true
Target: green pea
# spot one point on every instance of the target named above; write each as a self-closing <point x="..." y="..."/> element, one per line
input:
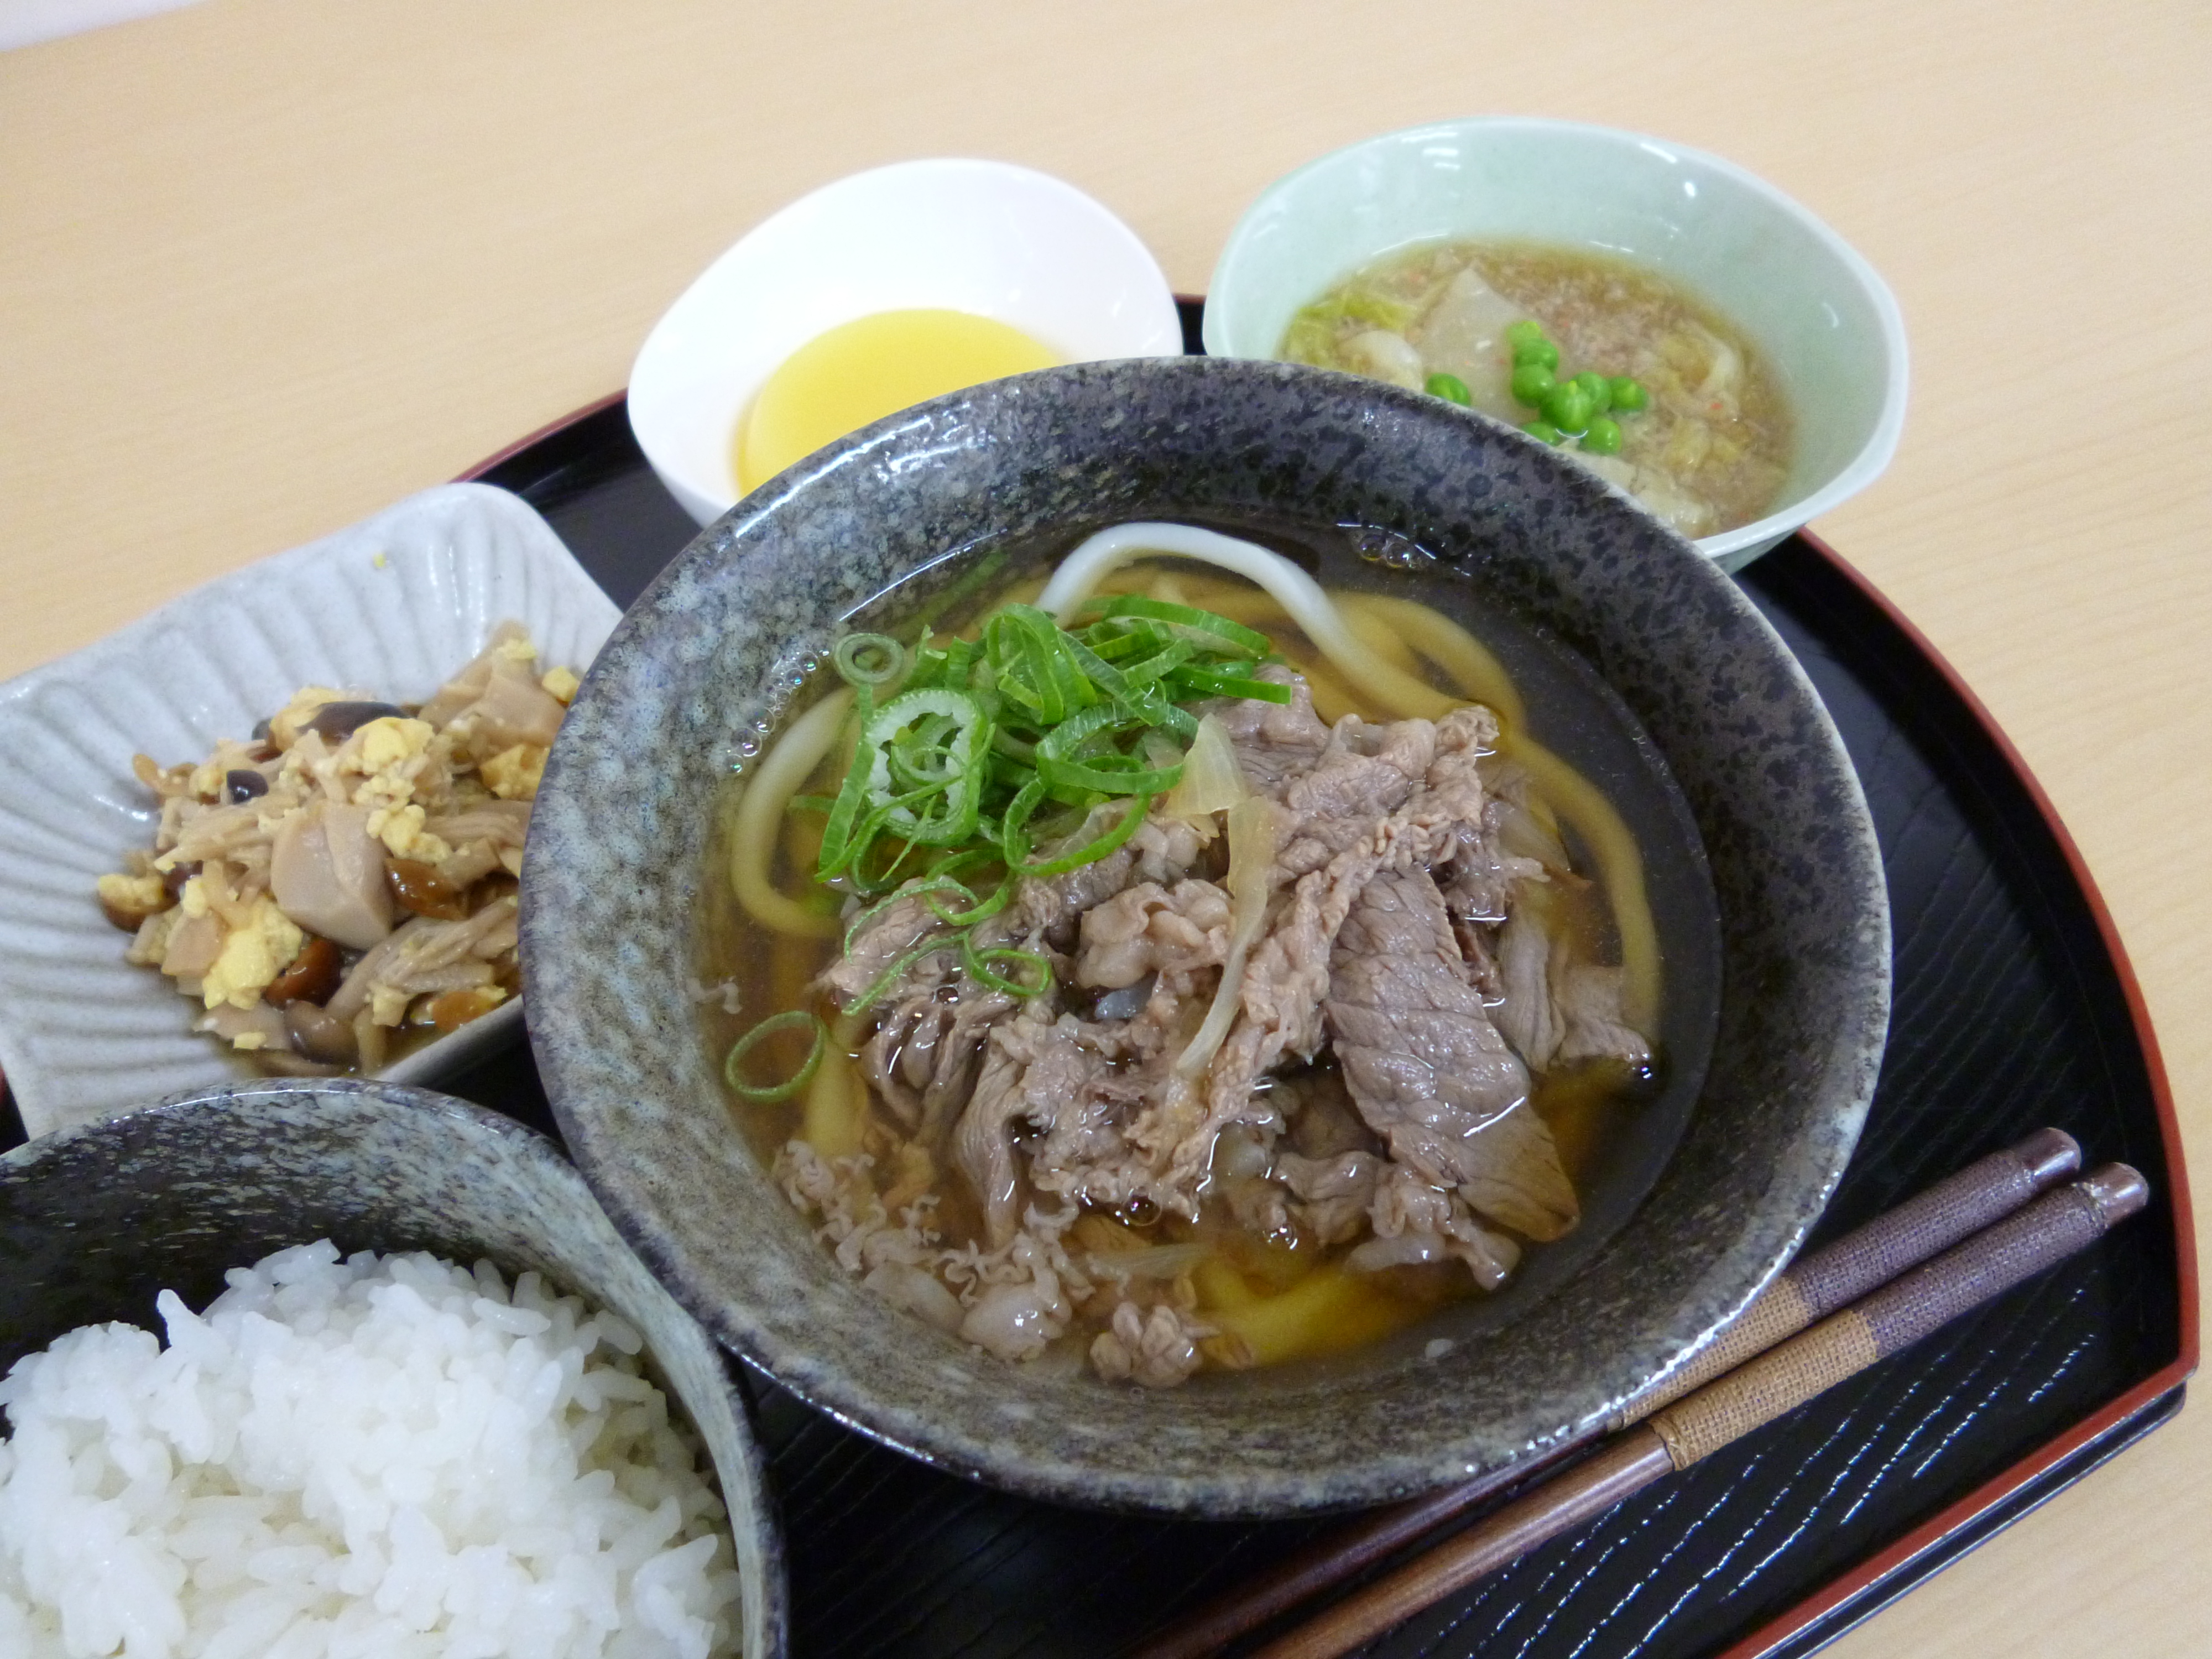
<point x="1525" y="332"/>
<point x="1451" y="389"/>
<point x="1567" y="407"/>
<point x="1630" y="394"/>
<point x="1544" y="430"/>
<point x="1531" y="382"/>
<point x="1537" y="351"/>
<point x="1603" y="438"/>
<point x="1598" y="388"/>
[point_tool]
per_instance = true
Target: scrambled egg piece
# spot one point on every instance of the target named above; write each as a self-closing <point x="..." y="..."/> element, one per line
<point x="514" y="774"/>
<point x="389" y="757"/>
<point x="561" y="683"/>
<point x="143" y="894"/>
<point x="400" y="830"/>
<point x="384" y="753"/>
<point x="519" y="649"/>
<point x="252" y="956"/>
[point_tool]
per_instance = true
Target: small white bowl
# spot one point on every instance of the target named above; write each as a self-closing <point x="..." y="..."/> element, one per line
<point x="1828" y="325"/>
<point x="984" y="237"/>
<point x="393" y="604"/>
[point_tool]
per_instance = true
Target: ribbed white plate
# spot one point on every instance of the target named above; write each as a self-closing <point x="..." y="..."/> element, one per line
<point x="393" y="605"/>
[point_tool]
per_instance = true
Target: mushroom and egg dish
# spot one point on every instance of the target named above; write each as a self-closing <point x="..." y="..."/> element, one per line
<point x="1178" y="969"/>
<point x="343" y="882"/>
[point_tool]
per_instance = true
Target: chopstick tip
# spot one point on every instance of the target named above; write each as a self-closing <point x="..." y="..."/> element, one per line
<point x="2051" y="1155"/>
<point x="2117" y="1190"/>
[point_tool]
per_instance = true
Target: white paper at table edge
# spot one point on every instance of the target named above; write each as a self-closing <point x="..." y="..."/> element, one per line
<point x="392" y="605"/>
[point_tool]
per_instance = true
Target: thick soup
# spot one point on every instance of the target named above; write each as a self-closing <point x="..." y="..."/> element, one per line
<point x="1183" y="966"/>
<point x="1620" y="368"/>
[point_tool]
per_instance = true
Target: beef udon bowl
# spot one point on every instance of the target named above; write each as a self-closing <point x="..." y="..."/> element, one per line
<point x="1207" y="936"/>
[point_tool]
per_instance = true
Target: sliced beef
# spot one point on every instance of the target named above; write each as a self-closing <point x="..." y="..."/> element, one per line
<point x="1429" y="1071"/>
<point x="1275" y="740"/>
<point x="922" y="1057"/>
<point x="1332" y="783"/>
<point x="1150" y="929"/>
<point x="1052" y="1085"/>
<point x="1416" y="1223"/>
<point x="897" y="929"/>
<point x="1020" y="1310"/>
<point x="1364" y="773"/>
<point x="1589" y="1001"/>
<point x="1323" y="1122"/>
<point x="1287" y="976"/>
<point x="1157" y="1347"/>
<point x="1426" y="1068"/>
<point x="1525" y="1012"/>
<point x="1554" y="1008"/>
<point x="1031" y="1071"/>
<point x="1162" y="850"/>
<point x="1516" y="1178"/>
<point x="1332" y="1193"/>
<point x="1480" y="883"/>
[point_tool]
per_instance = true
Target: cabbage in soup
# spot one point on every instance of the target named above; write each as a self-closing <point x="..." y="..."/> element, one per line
<point x="1621" y="368"/>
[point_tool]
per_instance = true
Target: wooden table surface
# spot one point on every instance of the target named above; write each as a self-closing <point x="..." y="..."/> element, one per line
<point x="266" y="266"/>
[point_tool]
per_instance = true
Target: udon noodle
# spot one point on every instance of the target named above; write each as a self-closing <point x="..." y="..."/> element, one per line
<point x="1182" y="966"/>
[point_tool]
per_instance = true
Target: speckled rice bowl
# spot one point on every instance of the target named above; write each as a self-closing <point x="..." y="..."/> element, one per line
<point x="96" y="1219"/>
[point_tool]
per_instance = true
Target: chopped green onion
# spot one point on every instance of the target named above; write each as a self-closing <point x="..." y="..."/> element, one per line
<point x="1066" y="757"/>
<point x="1013" y="830"/>
<point x="859" y="924"/>
<point x="1208" y="682"/>
<point x="837" y="844"/>
<point x="942" y="757"/>
<point x="1028" y="734"/>
<point x="1091" y="852"/>
<point x="978" y="964"/>
<point x="1183" y="615"/>
<point x="768" y="1094"/>
<point x="978" y="909"/>
<point x="881" y="985"/>
<point x="870" y="659"/>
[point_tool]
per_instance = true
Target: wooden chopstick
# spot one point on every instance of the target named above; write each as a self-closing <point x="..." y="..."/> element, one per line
<point x="1784" y="1377"/>
<point x="1814" y="1287"/>
<point x="1809" y="1290"/>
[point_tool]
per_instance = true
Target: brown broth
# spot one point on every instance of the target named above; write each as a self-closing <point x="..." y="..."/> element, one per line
<point x="1613" y="1128"/>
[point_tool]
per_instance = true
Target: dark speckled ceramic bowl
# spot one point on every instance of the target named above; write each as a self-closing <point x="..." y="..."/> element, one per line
<point x="618" y="874"/>
<point x="95" y="1221"/>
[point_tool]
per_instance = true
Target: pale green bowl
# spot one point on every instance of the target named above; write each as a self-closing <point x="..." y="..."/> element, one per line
<point x="1826" y="323"/>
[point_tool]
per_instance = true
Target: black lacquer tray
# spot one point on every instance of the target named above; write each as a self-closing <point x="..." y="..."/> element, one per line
<point x="2014" y="1008"/>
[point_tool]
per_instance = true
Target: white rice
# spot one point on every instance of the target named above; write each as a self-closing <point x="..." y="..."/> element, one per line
<point x="392" y="1458"/>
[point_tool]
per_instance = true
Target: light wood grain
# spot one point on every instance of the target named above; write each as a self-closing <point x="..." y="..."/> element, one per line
<point x="267" y="264"/>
